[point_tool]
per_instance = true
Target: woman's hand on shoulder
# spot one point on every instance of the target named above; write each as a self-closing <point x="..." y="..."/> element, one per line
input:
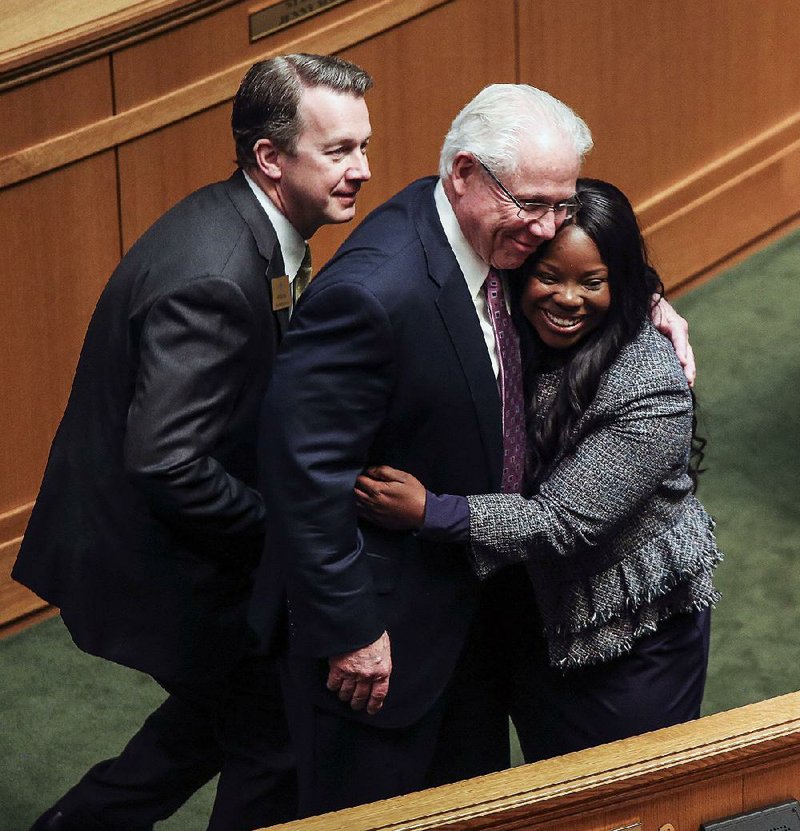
<point x="390" y="498"/>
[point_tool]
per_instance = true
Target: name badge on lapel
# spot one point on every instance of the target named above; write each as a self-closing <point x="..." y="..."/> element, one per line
<point x="281" y="293"/>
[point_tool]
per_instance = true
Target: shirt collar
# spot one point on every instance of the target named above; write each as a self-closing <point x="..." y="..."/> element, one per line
<point x="293" y="246"/>
<point x="472" y="266"/>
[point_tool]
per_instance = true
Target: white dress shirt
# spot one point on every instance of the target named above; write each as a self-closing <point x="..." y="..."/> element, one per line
<point x="293" y="246"/>
<point x="474" y="269"/>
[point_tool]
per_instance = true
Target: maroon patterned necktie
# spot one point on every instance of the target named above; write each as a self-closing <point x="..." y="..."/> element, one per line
<point x="507" y="341"/>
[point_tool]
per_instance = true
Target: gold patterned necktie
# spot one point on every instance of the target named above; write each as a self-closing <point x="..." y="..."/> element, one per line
<point x="303" y="276"/>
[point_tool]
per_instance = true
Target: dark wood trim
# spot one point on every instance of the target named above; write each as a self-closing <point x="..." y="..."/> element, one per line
<point x="56" y="53"/>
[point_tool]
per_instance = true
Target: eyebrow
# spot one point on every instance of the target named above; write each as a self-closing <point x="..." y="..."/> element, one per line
<point x="543" y="200"/>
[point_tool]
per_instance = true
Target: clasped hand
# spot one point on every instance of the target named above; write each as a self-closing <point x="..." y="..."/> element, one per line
<point x="390" y="498"/>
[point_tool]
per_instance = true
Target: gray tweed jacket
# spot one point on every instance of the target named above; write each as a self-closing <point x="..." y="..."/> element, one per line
<point x="614" y="541"/>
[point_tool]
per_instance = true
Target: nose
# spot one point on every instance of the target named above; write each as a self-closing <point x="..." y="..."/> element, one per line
<point x="359" y="169"/>
<point x="569" y="297"/>
<point x="544" y="227"/>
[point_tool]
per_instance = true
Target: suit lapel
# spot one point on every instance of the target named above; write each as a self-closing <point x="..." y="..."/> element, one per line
<point x="264" y="235"/>
<point x="458" y="315"/>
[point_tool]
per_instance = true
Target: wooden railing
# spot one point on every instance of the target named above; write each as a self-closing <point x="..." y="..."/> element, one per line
<point x="670" y="780"/>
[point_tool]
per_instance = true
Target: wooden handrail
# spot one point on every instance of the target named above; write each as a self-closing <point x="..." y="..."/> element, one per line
<point x="618" y="776"/>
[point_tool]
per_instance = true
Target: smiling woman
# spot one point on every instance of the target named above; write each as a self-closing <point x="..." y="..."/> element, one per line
<point x="567" y="294"/>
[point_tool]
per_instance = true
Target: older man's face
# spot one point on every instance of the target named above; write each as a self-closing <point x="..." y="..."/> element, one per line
<point x="547" y="172"/>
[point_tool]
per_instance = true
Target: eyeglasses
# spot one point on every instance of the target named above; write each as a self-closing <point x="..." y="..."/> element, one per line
<point x="530" y="211"/>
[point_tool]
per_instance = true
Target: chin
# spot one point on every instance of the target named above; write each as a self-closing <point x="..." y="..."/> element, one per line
<point x="509" y="262"/>
<point x="339" y="217"/>
<point x="553" y="342"/>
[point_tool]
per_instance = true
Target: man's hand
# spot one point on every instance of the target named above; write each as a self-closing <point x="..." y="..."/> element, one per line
<point x="671" y="324"/>
<point x="362" y="676"/>
<point x="390" y="498"/>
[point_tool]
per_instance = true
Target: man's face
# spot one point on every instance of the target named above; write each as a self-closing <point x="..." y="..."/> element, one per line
<point x="547" y="172"/>
<point x="319" y="182"/>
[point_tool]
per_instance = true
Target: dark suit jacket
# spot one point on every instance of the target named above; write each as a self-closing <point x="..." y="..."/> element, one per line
<point x="148" y="527"/>
<point x="384" y="362"/>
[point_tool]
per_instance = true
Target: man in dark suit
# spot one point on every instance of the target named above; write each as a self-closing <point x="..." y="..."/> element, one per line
<point x="395" y="647"/>
<point x="148" y="527"/>
<point x="399" y="366"/>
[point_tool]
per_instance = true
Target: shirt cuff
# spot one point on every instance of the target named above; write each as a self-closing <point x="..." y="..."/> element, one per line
<point x="446" y="518"/>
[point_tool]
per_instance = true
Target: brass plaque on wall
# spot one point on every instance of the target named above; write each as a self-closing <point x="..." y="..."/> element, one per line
<point x="284" y="13"/>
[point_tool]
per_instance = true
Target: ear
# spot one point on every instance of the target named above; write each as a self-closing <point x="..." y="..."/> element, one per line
<point x="464" y="167"/>
<point x="268" y="158"/>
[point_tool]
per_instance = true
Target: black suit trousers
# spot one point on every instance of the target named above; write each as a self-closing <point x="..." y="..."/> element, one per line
<point x="343" y="762"/>
<point x="235" y="727"/>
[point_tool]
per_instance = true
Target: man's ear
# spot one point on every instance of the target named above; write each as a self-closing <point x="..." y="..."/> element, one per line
<point x="464" y="166"/>
<point x="267" y="157"/>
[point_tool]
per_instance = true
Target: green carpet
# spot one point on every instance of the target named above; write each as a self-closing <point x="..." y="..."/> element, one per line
<point x="62" y="710"/>
<point x="743" y="326"/>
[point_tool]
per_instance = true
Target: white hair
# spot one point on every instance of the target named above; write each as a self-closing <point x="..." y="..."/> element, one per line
<point x="492" y="124"/>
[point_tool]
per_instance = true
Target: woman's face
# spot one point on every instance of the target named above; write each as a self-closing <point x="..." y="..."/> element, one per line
<point x="567" y="295"/>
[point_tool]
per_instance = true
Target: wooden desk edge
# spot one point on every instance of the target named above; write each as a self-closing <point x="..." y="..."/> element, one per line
<point x="757" y="734"/>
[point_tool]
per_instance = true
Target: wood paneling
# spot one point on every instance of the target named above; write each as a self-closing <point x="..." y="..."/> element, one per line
<point x="15" y="601"/>
<point x="683" y="98"/>
<point x="55" y="105"/>
<point x="39" y="36"/>
<point x="364" y="19"/>
<point x="30" y="23"/>
<point x="59" y="236"/>
<point x="668" y="85"/>
<point x="773" y="783"/>
<point x="711" y="229"/>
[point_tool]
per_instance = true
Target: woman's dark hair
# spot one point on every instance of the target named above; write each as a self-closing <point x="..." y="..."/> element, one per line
<point x="608" y="219"/>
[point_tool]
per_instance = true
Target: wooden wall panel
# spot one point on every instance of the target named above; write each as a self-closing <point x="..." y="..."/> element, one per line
<point x="55" y="105"/>
<point x="181" y="57"/>
<point x="667" y="86"/>
<point x="424" y="71"/>
<point x="59" y="237"/>
<point x="670" y="88"/>
<point x="15" y="600"/>
<point x="773" y="783"/>
<point x="712" y="228"/>
<point x="685" y="808"/>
